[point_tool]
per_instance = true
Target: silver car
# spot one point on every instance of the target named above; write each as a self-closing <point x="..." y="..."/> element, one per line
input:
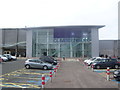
<point x="37" y="63"/>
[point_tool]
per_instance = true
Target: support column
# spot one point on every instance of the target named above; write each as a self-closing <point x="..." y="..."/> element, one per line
<point x="29" y="43"/>
<point x="1" y="41"/>
<point x="47" y="42"/>
<point x="83" y="49"/>
<point x="118" y="53"/>
<point x="59" y="51"/>
<point x="37" y="44"/>
<point x="95" y="42"/>
<point x="71" y="49"/>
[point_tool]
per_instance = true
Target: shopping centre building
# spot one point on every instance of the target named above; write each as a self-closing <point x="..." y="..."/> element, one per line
<point x="57" y="41"/>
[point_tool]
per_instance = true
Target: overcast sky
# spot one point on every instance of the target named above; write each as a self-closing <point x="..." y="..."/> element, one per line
<point x="35" y="13"/>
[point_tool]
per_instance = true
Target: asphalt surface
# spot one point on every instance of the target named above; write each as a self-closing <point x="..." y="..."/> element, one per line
<point x="73" y="74"/>
<point x="15" y="76"/>
<point x="11" y="66"/>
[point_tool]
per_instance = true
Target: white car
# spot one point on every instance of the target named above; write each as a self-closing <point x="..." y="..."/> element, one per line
<point x="4" y="59"/>
<point x="93" y="60"/>
<point x="10" y="57"/>
<point x="87" y="60"/>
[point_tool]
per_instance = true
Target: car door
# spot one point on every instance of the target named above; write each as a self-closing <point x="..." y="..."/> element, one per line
<point x="107" y="63"/>
<point x="32" y="63"/>
<point x="38" y="64"/>
<point x="112" y="62"/>
<point x="104" y="63"/>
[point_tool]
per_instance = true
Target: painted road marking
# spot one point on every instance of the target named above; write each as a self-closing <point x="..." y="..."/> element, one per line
<point x="12" y="72"/>
<point x="116" y="81"/>
<point x="103" y="70"/>
<point x="19" y="79"/>
<point x="20" y="85"/>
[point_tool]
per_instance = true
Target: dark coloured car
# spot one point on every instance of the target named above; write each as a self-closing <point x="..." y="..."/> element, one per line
<point x="49" y="59"/>
<point x="116" y="75"/>
<point x="104" y="63"/>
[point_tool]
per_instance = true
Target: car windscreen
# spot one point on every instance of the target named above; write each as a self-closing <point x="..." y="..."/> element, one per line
<point x="98" y="60"/>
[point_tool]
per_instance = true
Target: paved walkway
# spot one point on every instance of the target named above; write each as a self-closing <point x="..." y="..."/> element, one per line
<point x="73" y="74"/>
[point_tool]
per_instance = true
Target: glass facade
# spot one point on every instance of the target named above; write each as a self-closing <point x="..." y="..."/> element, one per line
<point x="59" y="42"/>
<point x="14" y="42"/>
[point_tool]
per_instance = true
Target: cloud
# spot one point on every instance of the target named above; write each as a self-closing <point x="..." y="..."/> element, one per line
<point x="20" y="13"/>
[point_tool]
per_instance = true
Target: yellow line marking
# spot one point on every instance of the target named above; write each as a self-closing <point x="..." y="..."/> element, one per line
<point x="29" y="78"/>
<point x="3" y="79"/>
<point x="12" y="72"/>
<point x="19" y="85"/>
<point x="35" y="73"/>
<point x="19" y="72"/>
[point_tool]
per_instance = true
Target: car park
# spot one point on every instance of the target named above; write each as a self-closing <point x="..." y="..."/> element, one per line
<point x="116" y="75"/>
<point x="49" y="59"/>
<point x="37" y="63"/>
<point x="4" y="59"/>
<point x="10" y="57"/>
<point x="104" y="63"/>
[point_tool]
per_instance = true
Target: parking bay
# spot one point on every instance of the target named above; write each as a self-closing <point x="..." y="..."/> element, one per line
<point x="102" y="72"/>
<point x="24" y="78"/>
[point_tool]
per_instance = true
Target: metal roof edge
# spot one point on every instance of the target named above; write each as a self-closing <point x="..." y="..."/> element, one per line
<point x="62" y="26"/>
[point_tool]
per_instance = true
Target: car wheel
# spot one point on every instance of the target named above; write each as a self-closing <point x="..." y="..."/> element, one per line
<point x="98" y="67"/>
<point x="27" y="66"/>
<point x="45" y="67"/>
<point x="116" y="66"/>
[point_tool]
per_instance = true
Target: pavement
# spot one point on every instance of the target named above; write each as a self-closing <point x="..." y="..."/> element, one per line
<point x="73" y="74"/>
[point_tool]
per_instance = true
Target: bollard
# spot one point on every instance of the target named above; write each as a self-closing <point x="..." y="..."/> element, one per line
<point x="55" y="71"/>
<point x="92" y="66"/>
<point x="57" y="66"/>
<point x="51" y="76"/>
<point x="43" y="80"/>
<point x="108" y="73"/>
<point x="59" y="63"/>
<point x="88" y="66"/>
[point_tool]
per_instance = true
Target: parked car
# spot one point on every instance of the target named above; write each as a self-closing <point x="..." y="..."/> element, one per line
<point x="104" y="63"/>
<point x="93" y="60"/>
<point x="116" y="75"/>
<point x="49" y="59"/>
<point x="4" y="59"/>
<point x="37" y="63"/>
<point x="87" y="60"/>
<point x="10" y="57"/>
